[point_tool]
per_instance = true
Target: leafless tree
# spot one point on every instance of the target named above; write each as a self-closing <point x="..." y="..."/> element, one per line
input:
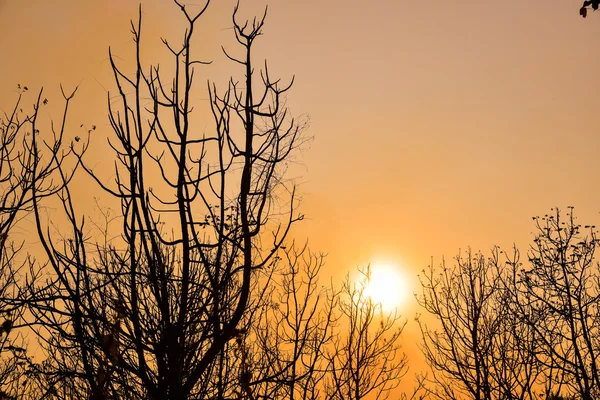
<point x="288" y="333"/>
<point x="23" y="171"/>
<point x="366" y="357"/>
<point x="192" y="289"/>
<point x="14" y="183"/>
<point x="559" y="295"/>
<point x="150" y="313"/>
<point x="476" y="346"/>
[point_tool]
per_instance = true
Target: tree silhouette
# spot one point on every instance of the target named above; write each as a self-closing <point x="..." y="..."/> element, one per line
<point x="22" y="168"/>
<point x="290" y="330"/>
<point x="366" y="357"/>
<point x="149" y="313"/>
<point x="476" y="346"/>
<point x="562" y="288"/>
<point x="514" y="330"/>
<point x="191" y="289"/>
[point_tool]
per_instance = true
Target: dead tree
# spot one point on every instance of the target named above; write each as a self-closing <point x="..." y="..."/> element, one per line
<point x="24" y="171"/>
<point x="290" y="331"/>
<point x="365" y="359"/>
<point x="475" y="345"/>
<point x="150" y="313"/>
<point x="559" y="293"/>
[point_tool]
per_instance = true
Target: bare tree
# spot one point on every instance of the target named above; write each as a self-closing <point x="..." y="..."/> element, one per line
<point x="476" y="346"/>
<point x="192" y="289"/>
<point x="282" y="351"/>
<point x="14" y="182"/>
<point x="150" y="313"/>
<point x="366" y="357"/>
<point x="23" y="171"/>
<point x="558" y="299"/>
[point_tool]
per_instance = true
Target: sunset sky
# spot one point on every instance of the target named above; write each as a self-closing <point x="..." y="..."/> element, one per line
<point x="437" y="125"/>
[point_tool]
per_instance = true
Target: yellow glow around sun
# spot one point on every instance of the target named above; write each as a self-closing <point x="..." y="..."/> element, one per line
<point x="387" y="286"/>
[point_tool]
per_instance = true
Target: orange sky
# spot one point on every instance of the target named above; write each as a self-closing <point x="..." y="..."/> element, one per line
<point x="437" y="124"/>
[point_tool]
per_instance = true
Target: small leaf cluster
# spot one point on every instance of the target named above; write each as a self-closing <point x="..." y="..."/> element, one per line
<point x="589" y="3"/>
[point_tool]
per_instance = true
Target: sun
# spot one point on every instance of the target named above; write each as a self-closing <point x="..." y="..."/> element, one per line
<point x="387" y="286"/>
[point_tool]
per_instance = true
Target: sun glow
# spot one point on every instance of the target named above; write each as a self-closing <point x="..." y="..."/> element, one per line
<point x="387" y="286"/>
